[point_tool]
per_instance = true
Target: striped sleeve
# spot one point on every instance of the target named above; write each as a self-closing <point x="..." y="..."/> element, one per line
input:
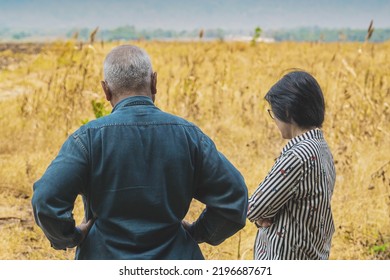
<point x="276" y="189"/>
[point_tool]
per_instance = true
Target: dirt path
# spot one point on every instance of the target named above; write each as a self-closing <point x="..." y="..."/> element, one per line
<point x="5" y="94"/>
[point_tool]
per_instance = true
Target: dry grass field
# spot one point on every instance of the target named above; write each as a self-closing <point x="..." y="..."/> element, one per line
<point x="48" y="91"/>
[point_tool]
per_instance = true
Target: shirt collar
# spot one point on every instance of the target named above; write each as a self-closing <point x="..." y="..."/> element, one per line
<point x="311" y="134"/>
<point x="132" y="101"/>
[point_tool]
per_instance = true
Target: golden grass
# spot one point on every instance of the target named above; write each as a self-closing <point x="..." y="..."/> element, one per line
<point x="220" y="87"/>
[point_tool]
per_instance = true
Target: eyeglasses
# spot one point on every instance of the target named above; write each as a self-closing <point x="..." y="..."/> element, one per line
<point x="271" y="114"/>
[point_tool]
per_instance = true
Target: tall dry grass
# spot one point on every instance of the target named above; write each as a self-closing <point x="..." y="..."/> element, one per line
<point x="220" y="87"/>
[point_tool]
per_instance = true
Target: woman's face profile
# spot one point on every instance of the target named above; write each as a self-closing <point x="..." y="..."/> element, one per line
<point x="284" y="128"/>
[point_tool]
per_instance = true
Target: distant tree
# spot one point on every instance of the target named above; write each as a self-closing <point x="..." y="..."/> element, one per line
<point x="20" y="35"/>
<point x="256" y="35"/>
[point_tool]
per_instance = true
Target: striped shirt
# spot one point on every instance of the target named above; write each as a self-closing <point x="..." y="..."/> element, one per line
<point x="296" y="194"/>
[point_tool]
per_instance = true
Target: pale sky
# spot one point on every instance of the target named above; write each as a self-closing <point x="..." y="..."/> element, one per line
<point x="193" y="14"/>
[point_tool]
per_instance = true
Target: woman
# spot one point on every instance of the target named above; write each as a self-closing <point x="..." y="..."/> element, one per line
<point x="292" y="206"/>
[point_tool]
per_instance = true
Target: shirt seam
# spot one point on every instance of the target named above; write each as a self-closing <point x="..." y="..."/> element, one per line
<point x="76" y="135"/>
<point x="81" y="145"/>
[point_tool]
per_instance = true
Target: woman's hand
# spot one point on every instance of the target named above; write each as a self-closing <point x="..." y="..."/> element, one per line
<point x="264" y="223"/>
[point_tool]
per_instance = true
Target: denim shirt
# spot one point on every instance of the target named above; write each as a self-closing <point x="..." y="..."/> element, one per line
<point x="138" y="170"/>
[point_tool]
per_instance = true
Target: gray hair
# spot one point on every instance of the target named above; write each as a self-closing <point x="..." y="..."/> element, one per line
<point x="127" y="68"/>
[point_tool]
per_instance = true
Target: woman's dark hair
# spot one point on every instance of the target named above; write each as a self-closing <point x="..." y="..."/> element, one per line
<point x="297" y="97"/>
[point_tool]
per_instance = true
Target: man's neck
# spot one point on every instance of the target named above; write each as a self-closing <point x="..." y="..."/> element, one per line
<point x="116" y="99"/>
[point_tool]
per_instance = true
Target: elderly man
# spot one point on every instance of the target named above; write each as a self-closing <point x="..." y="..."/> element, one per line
<point x="137" y="170"/>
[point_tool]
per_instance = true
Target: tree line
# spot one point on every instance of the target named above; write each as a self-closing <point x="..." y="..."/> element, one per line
<point x="129" y="32"/>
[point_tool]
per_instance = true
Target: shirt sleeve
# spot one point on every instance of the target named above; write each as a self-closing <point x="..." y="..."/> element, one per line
<point x="276" y="189"/>
<point x="221" y="187"/>
<point x="55" y="193"/>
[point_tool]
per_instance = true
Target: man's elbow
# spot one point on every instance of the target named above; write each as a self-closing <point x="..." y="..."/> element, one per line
<point x="243" y="202"/>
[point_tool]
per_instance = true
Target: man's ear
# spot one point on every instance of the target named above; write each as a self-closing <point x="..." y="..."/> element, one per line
<point x="153" y="83"/>
<point x="106" y="90"/>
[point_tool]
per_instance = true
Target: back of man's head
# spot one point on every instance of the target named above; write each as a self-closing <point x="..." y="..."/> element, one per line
<point x="128" y="70"/>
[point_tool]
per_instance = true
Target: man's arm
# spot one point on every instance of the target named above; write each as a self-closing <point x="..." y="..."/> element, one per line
<point x="55" y="194"/>
<point x="222" y="189"/>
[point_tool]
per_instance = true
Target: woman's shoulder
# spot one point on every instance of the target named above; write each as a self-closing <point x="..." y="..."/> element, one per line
<point x="307" y="149"/>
